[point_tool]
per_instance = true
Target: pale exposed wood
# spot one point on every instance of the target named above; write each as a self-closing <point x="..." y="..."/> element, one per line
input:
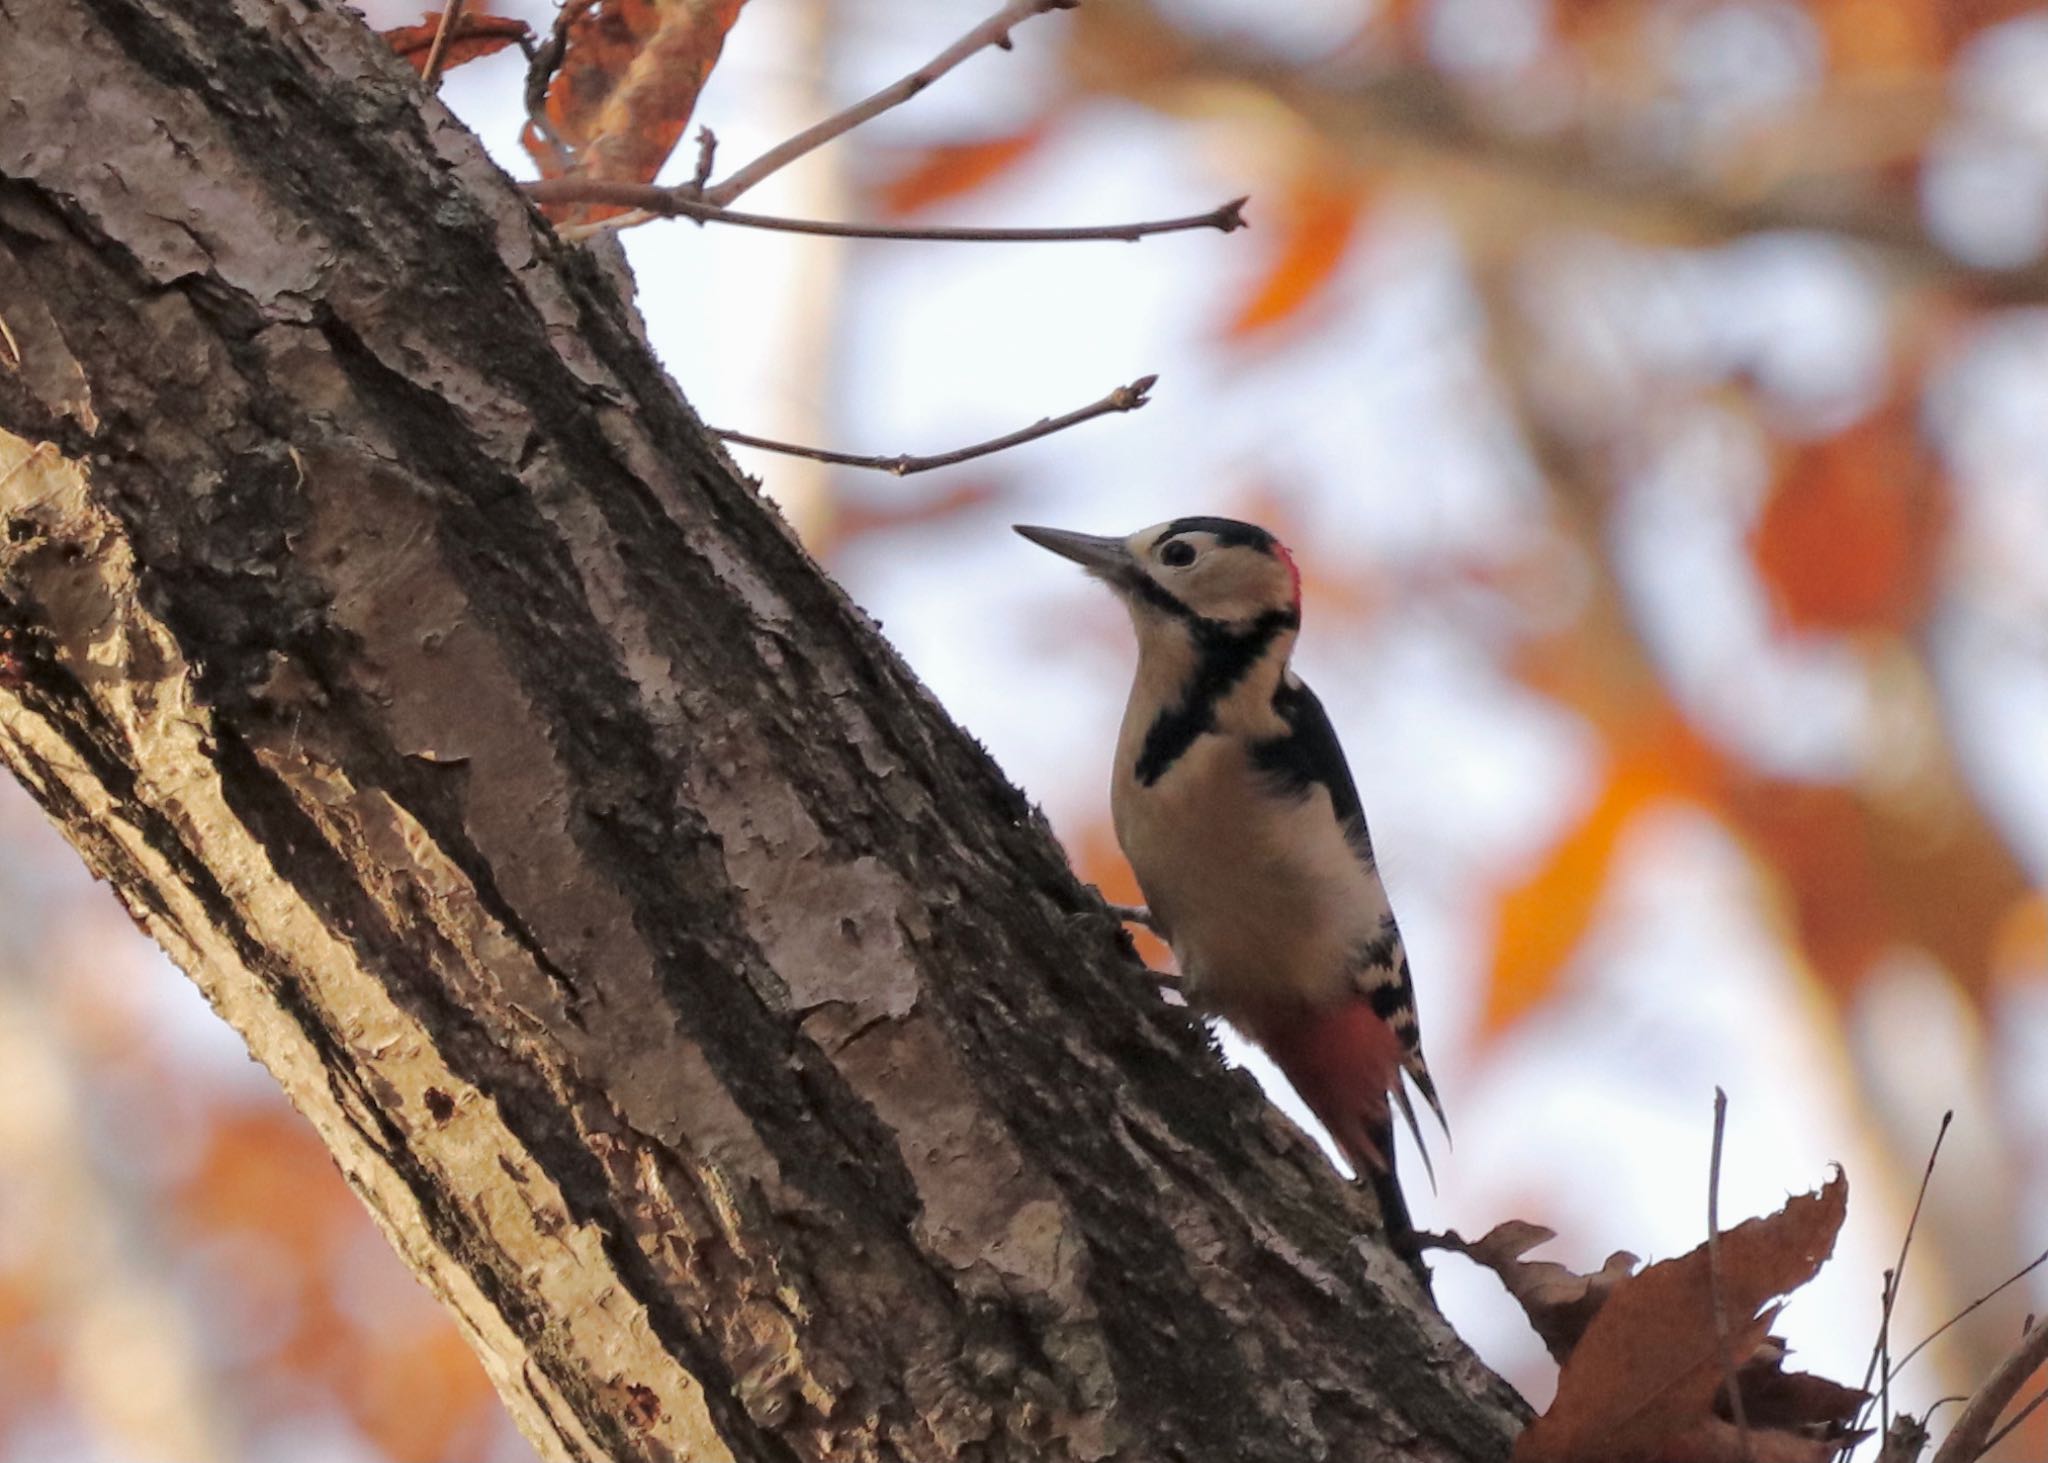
<point x="700" y="1013"/>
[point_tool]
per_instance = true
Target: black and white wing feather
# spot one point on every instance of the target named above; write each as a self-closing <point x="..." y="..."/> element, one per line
<point x="1308" y="755"/>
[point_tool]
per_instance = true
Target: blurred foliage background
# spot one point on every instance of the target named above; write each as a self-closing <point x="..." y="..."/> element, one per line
<point x="1656" y="395"/>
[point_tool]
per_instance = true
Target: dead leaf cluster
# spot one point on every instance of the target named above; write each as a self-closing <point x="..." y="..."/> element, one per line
<point x="1642" y="1376"/>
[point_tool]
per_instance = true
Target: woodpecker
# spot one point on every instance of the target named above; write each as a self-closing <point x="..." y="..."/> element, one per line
<point x="1233" y="802"/>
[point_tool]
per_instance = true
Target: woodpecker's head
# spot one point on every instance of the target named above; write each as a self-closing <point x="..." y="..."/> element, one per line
<point x="1209" y="575"/>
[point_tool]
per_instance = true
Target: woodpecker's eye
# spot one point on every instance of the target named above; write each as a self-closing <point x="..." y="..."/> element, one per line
<point x="1178" y="554"/>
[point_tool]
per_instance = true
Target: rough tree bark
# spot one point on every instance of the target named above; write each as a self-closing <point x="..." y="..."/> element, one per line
<point x="700" y="1013"/>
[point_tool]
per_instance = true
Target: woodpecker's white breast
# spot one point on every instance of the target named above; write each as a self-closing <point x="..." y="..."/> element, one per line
<point x="1261" y="894"/>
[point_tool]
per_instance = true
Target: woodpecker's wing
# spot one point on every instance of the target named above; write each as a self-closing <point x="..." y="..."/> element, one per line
<point x="1306" y="755"/>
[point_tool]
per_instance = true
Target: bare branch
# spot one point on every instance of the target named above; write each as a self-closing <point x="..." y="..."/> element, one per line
<point x="437" y="54"/>
<point x="1124" y="398"/>
<point x="1880" y="1365"/>
<point x="1720" y="1301"/>
<point x="995" y="31"/>
<point x="2013" y="1279"/>
<point x="652" y="201"/>
<point x="1970" y="1437"/>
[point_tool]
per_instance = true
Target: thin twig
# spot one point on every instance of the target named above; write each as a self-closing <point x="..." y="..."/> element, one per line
<point x="437" y="54"/>
<point x="1714" y="1278"/>
<point x="1967" y="1440"/>
<point x="1124" y="398"/>
<point x="1880" y="1366"/>
<point x="654" y="201"/>
<point x="1884" y="1350"/>
<point x="2013" y="1279"/>
<point x="10" y="348"/>
<point x="995" y="31"/>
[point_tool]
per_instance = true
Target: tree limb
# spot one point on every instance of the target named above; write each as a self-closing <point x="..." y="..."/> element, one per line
<point x="701" y="1014"/>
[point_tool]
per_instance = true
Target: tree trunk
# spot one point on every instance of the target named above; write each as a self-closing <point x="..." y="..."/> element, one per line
<point x="702" y="1016"/>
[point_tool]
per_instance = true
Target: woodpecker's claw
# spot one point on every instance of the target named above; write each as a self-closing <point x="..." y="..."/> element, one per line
<point x="1135" y="914"/>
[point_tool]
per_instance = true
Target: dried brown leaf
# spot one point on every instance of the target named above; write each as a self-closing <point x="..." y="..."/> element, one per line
<point x="1558" y="1301"/>
<point x="1774" y="1397"/>
<point x="629" y="79"/>
<point x="1641" y="1384"/>
<point x="475" y="36"/>
<point x="1716" y="1440"/>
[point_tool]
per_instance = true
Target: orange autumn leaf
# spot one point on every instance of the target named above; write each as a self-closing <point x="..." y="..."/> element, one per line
<point x="954" y="168"/>
<point x="475" y="36"/>
<point x="1850" y="537"/>
<point x="627" y="84"/>
<point x="1542" y="919"/>
<point x="1880" y="39"/>
<point x="267" y="1172"/>
<point x="1865" y="873"/>
<point x="420" y="1394"/>
<point x="1641" y="1384"/>
<point x="1316" y="221"/>
<point x="2019" y="941"/>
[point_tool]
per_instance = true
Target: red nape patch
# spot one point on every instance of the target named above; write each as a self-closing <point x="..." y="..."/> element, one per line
<point x="1293" y="570"/>
<point x="1343" y="1060"/>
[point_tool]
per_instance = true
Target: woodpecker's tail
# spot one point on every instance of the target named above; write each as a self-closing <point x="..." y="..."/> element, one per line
<point x="1382" y="979"/>
<point x="1344" y="1061"/>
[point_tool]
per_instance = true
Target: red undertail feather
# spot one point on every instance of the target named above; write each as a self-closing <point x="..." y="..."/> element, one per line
<point x="1343" y="1060"/>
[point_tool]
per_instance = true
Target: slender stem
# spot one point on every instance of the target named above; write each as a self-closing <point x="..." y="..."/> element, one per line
<point x="437" y="54"/>
<point x="2013" y="1279"/>
<point x="1720" y="1301"/>
<point x="683" y="202"/>
<point x="995" y="31"/>
<point x="1880" y="1364"/>
<point x="1886" y="1298"/>
<point x="1969" y="1438"/>
<point x="1124" y="398"/>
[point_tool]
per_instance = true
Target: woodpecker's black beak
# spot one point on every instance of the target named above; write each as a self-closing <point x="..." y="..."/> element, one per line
<point x="1106" y="557"/>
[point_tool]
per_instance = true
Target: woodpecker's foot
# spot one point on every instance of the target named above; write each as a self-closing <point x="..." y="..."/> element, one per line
<point x="1134" y="914"/>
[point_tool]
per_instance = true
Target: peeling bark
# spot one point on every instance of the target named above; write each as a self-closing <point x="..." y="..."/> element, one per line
<point x="700" y="1013"/>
